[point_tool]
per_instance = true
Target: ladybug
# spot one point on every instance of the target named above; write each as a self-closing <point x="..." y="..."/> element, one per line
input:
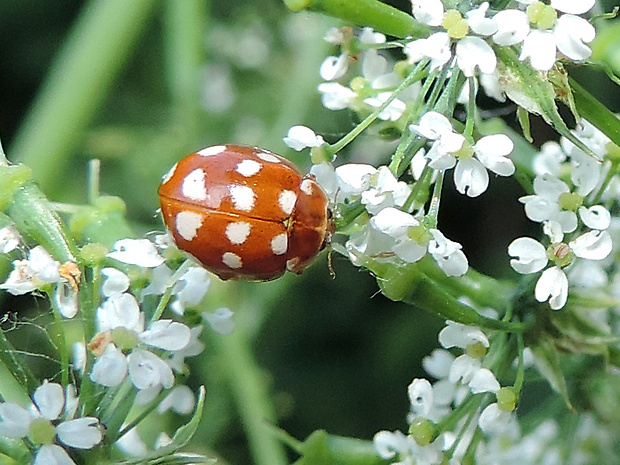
<point x="245" y="213"/>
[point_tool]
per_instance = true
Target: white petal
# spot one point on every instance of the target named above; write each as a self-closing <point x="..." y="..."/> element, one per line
<point x="51" y="454"/>
<point x="575" y="7"/>
<point x="373" y="65"/>
<point x="429" y="12"/>
<point x="334" y="67"/>
<point x="421" y="397"/>
<point x="492" y="152"/>
<point x="552" y="286"/>
<point x="530" y="255"/>
<point x="369" y="36"/>
<point x="448" y="254"/>
<point x="325" y="175"/>
<point x="572" y="33"/>
<point x="472" y="52"/>
<point x="335" y="96"/>
<point x="147" y="370"/>
<point x="593" y="245"/>
<point x="119" y="310"/>
<point x="81" y="433"/>
<point x="409" y="251"/>
<point x="438" y="363"/>
<point x="479" y="23"/>
<point x="180" y="400"/>
<point x="115" y="282"/>
<point x="595" y="217"/>
<point x="393" y="222"/>
<point x="110" y="369"/>
<point x="493" y="420"/>
<point x="221" y="320"/>
<point x="484" y="381"/>
<point x="132" y="445"/>
<point x="539" y="47"/>
<point x="354" y="178"/>
<point x="470" y="177"/>
<point x="49" y="399"/>
<point x="553" y="230"/>
<point x="67" y="300"/>
<point x="9" y="239"/>
<point x="512" y="27"/>
<point x="432" y="125"/>
<point x="389" y="444"/>
<point x="167" y="335"/>
<point x="460" y="335"/>
<point x="14" y="420"/>
<point x="141" y="252"/>
<point x="464" y="367"/>
<point x="392" y="112"/>
<point x="300" y="137"/>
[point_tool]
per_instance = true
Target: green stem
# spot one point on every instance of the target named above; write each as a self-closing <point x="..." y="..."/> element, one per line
<point x="414" y="76"/>
<point x="165" y="298"/>
<point x="92" y="57"/>
<point x="411" y="285"/>
<point x="379" y="16"/>
<point x="61" y="344"/>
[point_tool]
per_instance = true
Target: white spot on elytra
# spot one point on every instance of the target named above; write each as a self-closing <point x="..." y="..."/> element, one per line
<point x="243" y="197"/>
<point x="169" y="174"/>
<point x="194" y="185"/>
<point x="279" y="244"/>
<point x="267" y="156"/>
<point x="287" y="200"/>
<point x="187" y="224"/>
<point x="306" y="186"/>
<point x="209" y="151"/>
<point x="232" y="260"/>
<point x="248" y="168"/>
<point x="238" y="232"/>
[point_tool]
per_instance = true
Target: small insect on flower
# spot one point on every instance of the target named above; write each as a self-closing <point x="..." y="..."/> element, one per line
<point x="245" y="213"/>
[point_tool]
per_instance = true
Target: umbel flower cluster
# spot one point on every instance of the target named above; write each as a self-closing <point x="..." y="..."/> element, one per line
<point x="125" y="313"/>
<point x="416" y="99"/>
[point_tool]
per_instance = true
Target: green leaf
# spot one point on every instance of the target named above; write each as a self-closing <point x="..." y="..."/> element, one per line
<point x="547" y="361"/>
<point x="321" y="448"/>
<point x="168" y="454"/>
<point x="596" y="113"/>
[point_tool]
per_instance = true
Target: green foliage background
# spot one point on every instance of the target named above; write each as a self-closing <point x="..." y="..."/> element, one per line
<point x="123" y="82"/>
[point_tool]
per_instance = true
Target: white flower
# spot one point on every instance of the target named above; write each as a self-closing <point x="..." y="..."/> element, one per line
<point x="35" y="272"/>
<point x="190" y="289"/>
<point x="300" y="137"/>
<point x="384" y="191"/>
<point x="180" y="400"/>
<point x="392" y="112"/>
<point x="334" y="67"/>
<point x="531" y="257"/>
<point x="116" y="282"/>
<point x="55" y="406"/>
<point x="421" y="397"/>
<point x="121" y="326"/>
<point x="9" y="239"/>
<point x="141" y="252"/>
<point x="569" y="35"/>
<point x="448" y="254"/>
<point x="494" y="420"/>
<point x="450" y="149"/>
<point x="429" y="12"/>
<point x="460" y="335"/>
<point x="553" y="201"/>
<point x="335" y="96"/>
<point x="220" y="320"/>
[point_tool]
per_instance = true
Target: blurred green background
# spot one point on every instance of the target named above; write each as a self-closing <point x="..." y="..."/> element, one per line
<point x="139" y="84"/>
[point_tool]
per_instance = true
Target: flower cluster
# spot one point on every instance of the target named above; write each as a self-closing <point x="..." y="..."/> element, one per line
<point x="132" y="346"/>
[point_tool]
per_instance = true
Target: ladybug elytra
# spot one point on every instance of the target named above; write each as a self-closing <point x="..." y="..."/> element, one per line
<point x="245" y="213"/>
